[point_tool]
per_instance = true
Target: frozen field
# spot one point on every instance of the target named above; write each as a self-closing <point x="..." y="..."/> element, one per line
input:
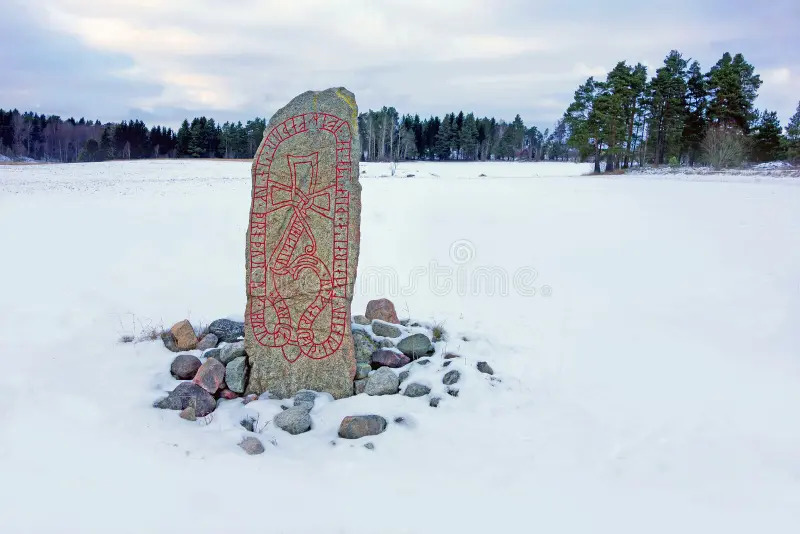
<point x="646" y="336"/>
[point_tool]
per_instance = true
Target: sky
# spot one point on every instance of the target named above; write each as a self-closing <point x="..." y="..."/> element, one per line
<point x="162" y="61"/>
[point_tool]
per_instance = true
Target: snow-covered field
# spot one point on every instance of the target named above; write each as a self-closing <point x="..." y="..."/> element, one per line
<point x="645" y="330"/>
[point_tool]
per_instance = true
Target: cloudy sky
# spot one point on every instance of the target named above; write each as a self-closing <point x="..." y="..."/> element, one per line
<point x="163" y="60"/>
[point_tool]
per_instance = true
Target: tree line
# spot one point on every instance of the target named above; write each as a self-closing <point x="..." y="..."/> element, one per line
<point x="681" y="115"/>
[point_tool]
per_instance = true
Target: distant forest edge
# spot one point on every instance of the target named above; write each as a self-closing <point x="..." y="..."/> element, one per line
<point x="682" y="115"/>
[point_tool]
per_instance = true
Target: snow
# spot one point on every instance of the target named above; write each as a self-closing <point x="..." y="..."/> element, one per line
<point x="649" y="383"/>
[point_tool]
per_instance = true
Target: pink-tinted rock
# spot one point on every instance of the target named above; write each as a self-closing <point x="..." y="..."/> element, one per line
<point x="210" y="375"/>
<point x="227" y="394"/>
<point x="383" y="310"/>
<point x="388" y="358"/>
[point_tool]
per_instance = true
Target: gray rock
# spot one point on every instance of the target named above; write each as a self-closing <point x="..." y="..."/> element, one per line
<point x="403" y="376"/>
<point x="251" y="445"/>
<point x="453" y="392"/>
<point x="434" y="402"/>
<point x="415" y="345"/>
<point x="227" y="330"/>
<point x="268" y="395"/>
<point x="359" y="386"/>
<point x="422" y="361"/>
<point x="382" y="382"/>
<point x="236" y="374"/>
<point x="305" y="395"/>
<point x="485" y="368"/>
<point x="209" y="341"/>
<point x="369" y="445"/>
<point x="169" y="341"/>
<point x="451" y="377"/>
<point x="386" y="344"/>
<point x="416" y="390"/>
<point x="249" y="424"/>
<point x="362" y="370"/>
<point x="358" y="426"/>
<point x="447" y="363"/>
<point x="365" y="346"/>
<point x="212" y="353"/>
<point x="305" y="405"/>
<point x="188" y="413"/>
<point x="185" y="366"/>
<point x="231" y="351"/>
<point x="188" y="394"/>
<point x="379" y="328"/>
<point x="360" y="319"/>
<point x="295" y="420"/>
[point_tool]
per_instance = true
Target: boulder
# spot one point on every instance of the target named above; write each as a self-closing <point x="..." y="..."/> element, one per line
<point x="231" y="351"/>
<point x="188" y="413"/>
<point x="210" y="375"/>
<point x="188" y="394"/>
<point x="451" y="377"/>
<point x="485" y="368"/>
<point x="403" y="376"/>
<point x="169" y="341"/>
<point x="388" y="358"/>
<point x="227" y="330"/>
<point x="295" y="420"/>
<point x="185" y="366"/>
<point x="364" y="345"/>
<point x="382" y="309"/>
<point x="358" y="426"/>
<point x="416" y="390"/>
<point x="209" y="341"/>
<point x="236" y="374"/>
<point x="379" y="328"/>
<point x="415" y="345"/>
<point x="382" y="382"/>
<point x="252" y="445"/>
<point x="185" y="338"/>
<point x="360" y="319"/>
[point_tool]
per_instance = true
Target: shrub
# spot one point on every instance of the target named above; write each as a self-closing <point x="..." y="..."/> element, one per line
<point x="724" y="146"/>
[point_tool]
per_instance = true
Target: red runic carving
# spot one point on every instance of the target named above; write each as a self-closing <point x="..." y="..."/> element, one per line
<point x="297" y="189"/>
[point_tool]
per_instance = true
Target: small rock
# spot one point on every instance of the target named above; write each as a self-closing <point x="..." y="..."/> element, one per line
<point x="382" y="382"/>
<point x="212" y="353"/>
<point x="250" y="398"/>
<point x="169" y="342"/>
<point x="362" y="370"/>
<point x="369" y="445"/>
<point x="236" y="374"/>
<point x="434" y="402"/>
<point x="185" y="366"/>
<point x="188" y="413"/>
<point x="210" y="375"/>
<point x="185" y="338"/>
<point x="379" y="328"/>
<point x="400" y="420"/>
<point x="388" y="358"/>
<point x="295" y="420"/>
<point x="231" y="351"/>
<point x="452" y="392"/>
<point x="485" y="368"/>
<point x="209" y="341"/>
<point x="451" y="377"/>
<point x="447" y="363"/>
<point x="365" y="346"/>
<point x="403" y="376"/>
<point x="227" y="330"/>
<point x="249" y="424"/>
<point x="415" y="345"/>
<point x="416" y="390"/>
<point x="360" y="319"/>
<point x="381" y="309"/>
<point x="251" y="445"/>
<point x="227" y="394"/>
<point x="305" y="395"/>
<point x="422" y="361"/>
<point x="268" y="395"/>
<point x="386" y="344"/>
<point x="451" y="355"/>
<point x="188" y="394"/>
<point x="358" y="426"/>
<point x="359" y="386"/>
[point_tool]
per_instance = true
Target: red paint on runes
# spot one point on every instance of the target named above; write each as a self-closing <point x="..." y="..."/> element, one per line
<point x="296" y="190"/>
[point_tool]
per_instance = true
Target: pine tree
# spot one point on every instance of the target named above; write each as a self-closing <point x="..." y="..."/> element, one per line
<point x="444" y="138"/>
<point x="696" y="101"/>
<point x="668" y="107"/>
<point x="184" y="138"/>
<point x="469" y="137"/>
<point x="767" y="138"/>
<point x="733" y="88"/>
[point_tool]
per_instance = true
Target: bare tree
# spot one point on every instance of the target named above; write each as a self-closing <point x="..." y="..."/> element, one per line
<point x="724" y="146"/>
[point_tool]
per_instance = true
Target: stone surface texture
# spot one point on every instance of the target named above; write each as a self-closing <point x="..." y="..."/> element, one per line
<point x="415" y="345"/>
<point x="183" y="333"/>
<point x="379" y="328"/>
<point x="302" y="247"/>
<point x="295" y="420"/>
<point x="358" y="426"/>
<point x="210" y="375"/>
<point x="227" y="330"/>
<point x="185" y="366"/>
<point x="236" y="374"/>
<point x="388" y="358"/>
<point x="382" y="382"/>
<point x="383" y="310"/>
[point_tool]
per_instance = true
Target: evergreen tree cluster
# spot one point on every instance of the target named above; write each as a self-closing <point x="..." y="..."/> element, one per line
<point x="627" y="119"/>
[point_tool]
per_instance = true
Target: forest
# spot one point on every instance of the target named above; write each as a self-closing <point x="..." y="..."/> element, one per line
<point x="680" y="116"/>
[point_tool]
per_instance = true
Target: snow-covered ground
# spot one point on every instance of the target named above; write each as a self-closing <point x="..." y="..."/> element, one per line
<point x="645" y="330"/>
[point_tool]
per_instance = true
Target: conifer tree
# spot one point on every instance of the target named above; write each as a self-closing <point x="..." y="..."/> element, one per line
<point x="767" y="138"/>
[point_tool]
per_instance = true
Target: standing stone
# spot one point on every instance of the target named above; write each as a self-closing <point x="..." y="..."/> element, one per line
<point x="302" y="247"/>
